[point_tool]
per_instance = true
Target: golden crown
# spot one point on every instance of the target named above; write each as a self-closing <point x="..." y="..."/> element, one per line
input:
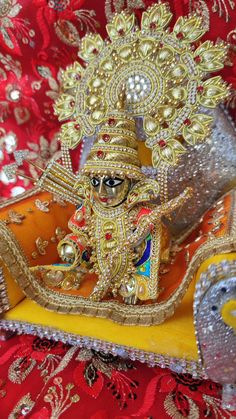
<point x="115" y="149"/>
<point x="166" y="78"/>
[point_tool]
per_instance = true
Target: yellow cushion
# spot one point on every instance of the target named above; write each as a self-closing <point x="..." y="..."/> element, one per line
<point x="174" y="338"/>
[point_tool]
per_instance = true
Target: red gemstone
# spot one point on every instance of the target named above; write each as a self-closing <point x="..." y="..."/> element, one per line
<point x="77" y="126"/>
<point x="108" y="236"/>
<point x="180" y="35"/>
<point x="77" y="76"/>
<point x="100" y="154"/>
<point x="111" y="121"/>
<point x="197" y="59"/>
<point x="121" y="32"/>
<point x="106" y="138"/>
<point x="165" y="125"/>
<point x="200" y="89"/>
<point x="162" y="143"/>
<point x="187" y="122"/>
<point x="72" y="103"/>
<point x="153" y="25"/>
<point x="95" y="51"/>
<point x="161" y="45"/>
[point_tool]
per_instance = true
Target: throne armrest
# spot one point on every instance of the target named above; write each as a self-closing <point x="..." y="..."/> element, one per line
<point x="35" y="221"/>
<point x="215" y="323"/>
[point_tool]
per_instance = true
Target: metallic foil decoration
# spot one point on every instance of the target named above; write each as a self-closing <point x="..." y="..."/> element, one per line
<point x="209" y="168"/>
<point x="215" y="323"/>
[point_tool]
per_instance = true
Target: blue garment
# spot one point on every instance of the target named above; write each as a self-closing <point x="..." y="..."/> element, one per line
<point x="143" y="265"/>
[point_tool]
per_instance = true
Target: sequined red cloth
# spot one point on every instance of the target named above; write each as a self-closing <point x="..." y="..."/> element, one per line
<point x="43" y="379"/>
<point x="40" y="37"/>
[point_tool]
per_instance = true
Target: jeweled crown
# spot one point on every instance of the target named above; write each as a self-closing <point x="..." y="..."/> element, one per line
<point x="115" y="151"/>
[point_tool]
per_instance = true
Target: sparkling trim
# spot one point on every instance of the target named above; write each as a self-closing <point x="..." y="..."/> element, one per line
<point x="4" y="301"/>
<point x="178" y="365"/>
<point x="24" y="195"/>
<point x="208" y="278"/>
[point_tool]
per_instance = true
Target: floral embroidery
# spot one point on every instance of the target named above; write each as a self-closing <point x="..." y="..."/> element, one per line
<point x="17" y="97"/>
<point x="42" y="152"/>
<point x="13" y="28"/>
<point x="60" y="398"/>
<point x="92" y="369"/>
<point x="64" y="19"/>
<point x="23" y="407"/>
<point x="32" y="351"/>
<point x="114" y="6"/>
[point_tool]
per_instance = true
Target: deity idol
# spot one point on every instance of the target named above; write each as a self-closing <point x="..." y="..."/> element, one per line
<point x="146" y="83"/>
<point x="118" y="228"/>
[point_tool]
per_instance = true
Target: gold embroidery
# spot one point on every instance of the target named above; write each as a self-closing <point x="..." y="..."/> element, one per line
<point x="15" y="217"/>
<point x="215" y="405"/>
<point x="23" y="407"/>
<point x="172" y="411"/>
<point x="18" y="371"/>
<point x="60" y="233"/>
<point x="65" y="361"/>
<point x="116" y="6"/>
<point x="59" y="399"/>
<point x="57" y="199"/>
<point x="41" y="245"/>
<point x="42" y="205"/>
<point x="4" y="301"/>
<point x="67" y="31"/>
<point x="48" y="365"/>
<point x="222" y="9"/>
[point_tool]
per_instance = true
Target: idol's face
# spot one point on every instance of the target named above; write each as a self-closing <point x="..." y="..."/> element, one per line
<point x="110" y="191"/>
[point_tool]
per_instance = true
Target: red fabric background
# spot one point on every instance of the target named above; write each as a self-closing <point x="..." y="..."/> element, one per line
<point x="90" y="385"/>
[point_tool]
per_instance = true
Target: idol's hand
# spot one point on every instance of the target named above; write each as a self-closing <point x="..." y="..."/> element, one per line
<point x="67" y="253"/>
<point x="132" y="299"/>
<point x="129" y="292"/>
<point x="143" y="227"/>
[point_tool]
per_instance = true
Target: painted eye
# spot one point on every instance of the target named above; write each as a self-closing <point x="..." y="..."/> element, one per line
<point x="112" y="183"/>
<point x="94" y="182"/>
